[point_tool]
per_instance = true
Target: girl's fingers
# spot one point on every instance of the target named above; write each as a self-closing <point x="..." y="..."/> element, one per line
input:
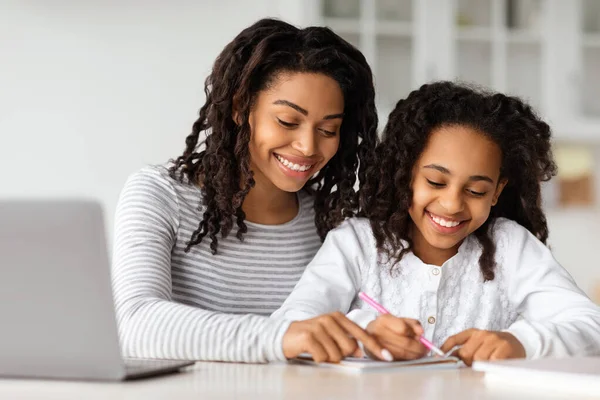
<point x="468" y="350"/>
<point x="484" y="352"/>
<point x="402" y="326"/>
<point x="458" y="339"/>
<point x="404" y="348"/>
<point x="412" y="343"/>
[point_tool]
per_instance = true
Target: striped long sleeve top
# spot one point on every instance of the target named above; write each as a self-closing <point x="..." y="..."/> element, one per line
<point x="196" y="305"/>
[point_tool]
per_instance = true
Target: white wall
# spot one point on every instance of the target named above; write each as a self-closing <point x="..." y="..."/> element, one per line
<point x="92" y="90"/>
<point x="575" y="237"/>
<point x="574" y="240"/>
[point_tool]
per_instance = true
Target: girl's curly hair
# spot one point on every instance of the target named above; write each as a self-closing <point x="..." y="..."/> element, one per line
<point x="527" y="160"/>
<point x="220" y="164"/>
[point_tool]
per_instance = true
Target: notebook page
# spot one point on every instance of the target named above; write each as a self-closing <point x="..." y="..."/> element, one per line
<point x="364" y="364"/>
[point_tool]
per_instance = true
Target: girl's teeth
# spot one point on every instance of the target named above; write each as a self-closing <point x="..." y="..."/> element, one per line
<point x="443" y="222"/>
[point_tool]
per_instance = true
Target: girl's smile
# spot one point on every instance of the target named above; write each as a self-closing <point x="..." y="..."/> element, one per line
<point x="444" y="225"/>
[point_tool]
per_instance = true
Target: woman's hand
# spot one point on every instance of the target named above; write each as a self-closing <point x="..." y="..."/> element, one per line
<point x="329" y="338"/>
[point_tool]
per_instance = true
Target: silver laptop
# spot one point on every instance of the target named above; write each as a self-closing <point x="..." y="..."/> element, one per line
<point x="57" y="316"/>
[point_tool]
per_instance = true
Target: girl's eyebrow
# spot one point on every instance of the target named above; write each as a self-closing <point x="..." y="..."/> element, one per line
<point x="473" y="178"/>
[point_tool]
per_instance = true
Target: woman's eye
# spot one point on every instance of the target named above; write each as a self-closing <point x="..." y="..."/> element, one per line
<point x="435" y="184"/>
<point x="286" y="124"/>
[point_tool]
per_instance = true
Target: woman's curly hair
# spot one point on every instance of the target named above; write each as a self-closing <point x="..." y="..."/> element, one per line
<point x="527" y="160"/>
<point x="220" y="163"/>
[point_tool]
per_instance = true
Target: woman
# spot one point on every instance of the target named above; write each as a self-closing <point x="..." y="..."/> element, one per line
<point x="208" y="247"/>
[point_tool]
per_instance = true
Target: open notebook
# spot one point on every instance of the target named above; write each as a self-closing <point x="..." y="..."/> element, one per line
<point x="366" y="364"/>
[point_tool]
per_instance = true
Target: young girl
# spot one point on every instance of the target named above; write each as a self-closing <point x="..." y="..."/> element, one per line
<point x="207" y="248"/>
<point x="453" y="238"/>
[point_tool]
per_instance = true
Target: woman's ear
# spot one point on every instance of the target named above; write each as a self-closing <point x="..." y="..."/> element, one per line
<point x="240" y="110"/>
<point x="235" y="114"/>
<point x="498" y="191"/>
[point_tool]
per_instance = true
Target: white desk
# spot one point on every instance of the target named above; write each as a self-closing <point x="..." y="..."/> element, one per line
<point x="277" y="381"/>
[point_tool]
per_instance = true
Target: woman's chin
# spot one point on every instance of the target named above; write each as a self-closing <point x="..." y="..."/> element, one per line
<point x="290" y="186"/>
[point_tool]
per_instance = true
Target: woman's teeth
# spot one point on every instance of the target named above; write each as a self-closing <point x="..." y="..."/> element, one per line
<point x="293" y="166"/>
<point x="444" y="222"/>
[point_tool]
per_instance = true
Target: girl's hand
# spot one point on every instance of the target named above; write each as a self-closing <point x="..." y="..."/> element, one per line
<point x="398" y="335"/>
<point x="480" y="345"/>
<point x="329" y="338"/>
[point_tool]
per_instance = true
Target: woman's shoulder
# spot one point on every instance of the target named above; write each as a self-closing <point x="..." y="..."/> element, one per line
<point x="157" y="183"/>
<point x="152" y="172"/>
<point x="151" y="179"/>
<point x="160" y="174"/>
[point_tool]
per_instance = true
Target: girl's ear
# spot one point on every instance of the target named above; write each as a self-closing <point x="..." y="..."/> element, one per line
<point x="499" y="189"/>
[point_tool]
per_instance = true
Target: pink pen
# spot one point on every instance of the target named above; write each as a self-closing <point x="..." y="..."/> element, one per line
<point x="380" y="309"/>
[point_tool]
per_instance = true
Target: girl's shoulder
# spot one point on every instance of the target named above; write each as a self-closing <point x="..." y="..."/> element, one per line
<point x="504" y="229"/>
<point x="512" y="238"/>
<point x="356" y="230"/>
<point x="356" y="226"/>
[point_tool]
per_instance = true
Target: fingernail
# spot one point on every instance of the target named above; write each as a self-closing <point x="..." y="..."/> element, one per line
<point x="387" y="356"/>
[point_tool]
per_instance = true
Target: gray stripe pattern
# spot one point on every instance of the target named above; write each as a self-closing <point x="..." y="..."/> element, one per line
<point x="196" y="305"/>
